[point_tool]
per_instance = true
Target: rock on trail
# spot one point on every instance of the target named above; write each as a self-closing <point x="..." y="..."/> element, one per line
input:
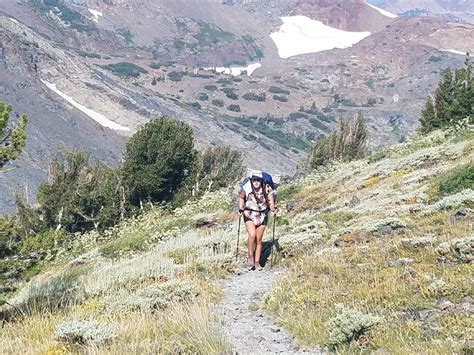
<point x="246" y="327"/>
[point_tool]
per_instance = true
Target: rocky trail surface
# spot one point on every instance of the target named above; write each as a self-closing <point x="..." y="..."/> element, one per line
<point x="246" y="327"/>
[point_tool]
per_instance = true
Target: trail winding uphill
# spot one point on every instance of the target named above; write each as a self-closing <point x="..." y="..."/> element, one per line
<point x="247" y="328"/>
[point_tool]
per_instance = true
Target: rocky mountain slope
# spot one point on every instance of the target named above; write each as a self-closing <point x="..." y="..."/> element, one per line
<point x="374" y="248"/>
<point x="457" y="10"/>
<point x="85" y="65"/>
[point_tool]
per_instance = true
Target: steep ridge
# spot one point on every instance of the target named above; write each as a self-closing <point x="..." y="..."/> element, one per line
<point x="140" y="59"/>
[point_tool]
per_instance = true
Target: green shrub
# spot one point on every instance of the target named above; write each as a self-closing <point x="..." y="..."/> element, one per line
<point x="210" y="87"/>
<point x="317" y="124"/>
<point x="218" y="102"/>
<point x="210" y="34"/>
<point x="454" y="181"/>
<point x="370" y="83"/>
<point x="57" y="293"/>
<point x="260" y="125"/>
<point x="126" y="70"/>
<point x="84" y="332"/>
<point x="278" y="90"/>
<point x="160" y="63"/>
<point x="230" y="93"/>
<point x="435" y="59"/>
<point x="45" y="241"/>
<point x="7" y="236"/>
<point x="250" y="96"/>
<point x="127" y="36"/>
<point x="280" y="98"/>
<point x="224" y="81"/>
<point x="176" y="75"/>
<point x="203" y="96"/>
<point x="349" y="325"/>
<point x="71" y="18"/>
<point x="295" y="115"/>
<point x="287" y="192"/>
<point x="234" y="108"/>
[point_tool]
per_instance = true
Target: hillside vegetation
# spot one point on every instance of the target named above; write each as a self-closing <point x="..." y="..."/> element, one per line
<point x="380" y="254"/>
<point x="378" y="248"/>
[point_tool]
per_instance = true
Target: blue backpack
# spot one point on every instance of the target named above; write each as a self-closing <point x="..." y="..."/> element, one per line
<point x="268" y="180"/>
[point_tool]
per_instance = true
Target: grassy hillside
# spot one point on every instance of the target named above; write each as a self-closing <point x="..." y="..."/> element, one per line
<point x="379" y="253"/>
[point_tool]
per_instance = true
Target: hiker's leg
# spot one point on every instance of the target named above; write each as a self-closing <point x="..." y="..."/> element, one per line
<point x="259" y="236"/>
<point x="251" y="237"/>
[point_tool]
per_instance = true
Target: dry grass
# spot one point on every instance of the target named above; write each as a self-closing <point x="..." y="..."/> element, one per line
<point x="371" y="181"/>
<point x="184" y="328"/>
<point x="369" y="279"/>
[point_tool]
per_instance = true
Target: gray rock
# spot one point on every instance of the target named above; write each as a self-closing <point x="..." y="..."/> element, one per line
<point x="417" y="243"/>
<point x="253" y="306"/>
<point x="353" y="202"/>
<point x="401" y="262"/>
<point x="445" y="305"/>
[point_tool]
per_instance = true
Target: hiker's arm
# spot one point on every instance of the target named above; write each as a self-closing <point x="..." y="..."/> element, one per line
<point x="271" y="201"/>
<point x="241" y="201"/>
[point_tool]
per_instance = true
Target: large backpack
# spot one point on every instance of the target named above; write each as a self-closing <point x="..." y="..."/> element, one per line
<point x="270" y="180"/>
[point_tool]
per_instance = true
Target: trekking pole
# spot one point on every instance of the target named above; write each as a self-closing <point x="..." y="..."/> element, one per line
<point x="273" y="241"/>
<point x="238" y="237"/>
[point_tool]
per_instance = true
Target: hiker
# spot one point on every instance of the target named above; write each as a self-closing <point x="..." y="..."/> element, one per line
<point x="256" y="199"/>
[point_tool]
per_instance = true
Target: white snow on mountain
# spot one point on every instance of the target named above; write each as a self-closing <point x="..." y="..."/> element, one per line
<point x="236" y="71"/>
<point x="455" y="51"/>
<point x="96" y="14"/>
<point x="302" y="35"/>
<point x="382" y="11"/>
<point x="98" y="117"/>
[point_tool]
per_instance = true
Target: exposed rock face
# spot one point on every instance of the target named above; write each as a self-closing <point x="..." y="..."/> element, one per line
<point x="457" y="10"/>
<point x="349" y="15"/>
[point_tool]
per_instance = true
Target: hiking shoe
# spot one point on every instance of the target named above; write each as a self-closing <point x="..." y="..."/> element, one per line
<point x="258" y="267"/>
<point x="249" y="262"/>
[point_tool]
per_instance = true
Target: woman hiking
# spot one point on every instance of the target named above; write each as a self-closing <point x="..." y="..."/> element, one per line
<point x="256" y="199"/>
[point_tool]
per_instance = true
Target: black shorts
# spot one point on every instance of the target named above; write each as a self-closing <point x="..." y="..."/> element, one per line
<point x="264" y="222"/>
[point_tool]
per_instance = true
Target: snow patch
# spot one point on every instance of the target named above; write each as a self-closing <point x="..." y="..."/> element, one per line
<point x="236" y="71"/>
<point x="98" y="117"/>
<point x="301" y="35"/>
<point x="455" y="51"/>
<point x="13" y="20"/>
<point x="96" y="14"/>
<point x="382" y="11"/>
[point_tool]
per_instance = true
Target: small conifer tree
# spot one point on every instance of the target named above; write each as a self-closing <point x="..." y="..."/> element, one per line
<point x="12" y="141"/>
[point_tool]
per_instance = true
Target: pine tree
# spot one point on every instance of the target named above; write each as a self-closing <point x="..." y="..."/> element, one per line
<point x="158" y="159"/>
<point x="428" y="118"/>
<point x="453" y="99"/>
<point x="347" y="143"/>
<point x="358" y="145"/>
<point x="444" y="97"/>
<point x="12" y="141"/>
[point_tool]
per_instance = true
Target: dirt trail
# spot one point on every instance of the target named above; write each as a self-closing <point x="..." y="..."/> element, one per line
<point x="247" y="328"/>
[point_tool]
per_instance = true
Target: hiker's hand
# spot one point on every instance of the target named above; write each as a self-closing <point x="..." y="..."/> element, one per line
<point x="241" y="211"/>
<point x="275" y="210"/>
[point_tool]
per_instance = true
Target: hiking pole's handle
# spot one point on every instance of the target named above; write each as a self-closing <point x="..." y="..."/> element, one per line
<point x="238" y="237"/>
<point x="273" y="240"/>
